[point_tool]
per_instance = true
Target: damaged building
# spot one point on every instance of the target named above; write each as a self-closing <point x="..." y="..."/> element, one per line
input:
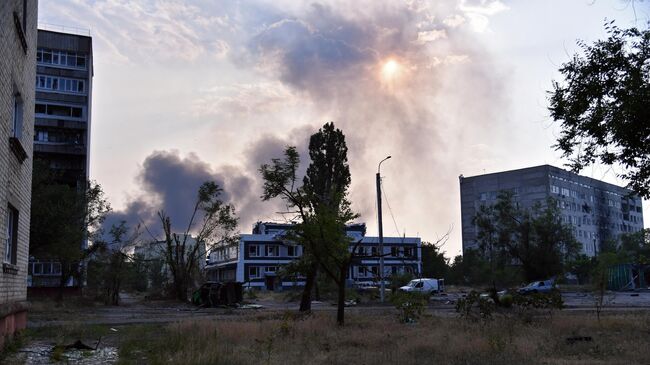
<point x="258" y="259"/>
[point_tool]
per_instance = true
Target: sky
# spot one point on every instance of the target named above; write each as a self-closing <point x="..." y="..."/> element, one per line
<point x="189" y="91"/>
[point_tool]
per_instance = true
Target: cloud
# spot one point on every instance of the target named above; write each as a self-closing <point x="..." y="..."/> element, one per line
<point x="244" y="100"/>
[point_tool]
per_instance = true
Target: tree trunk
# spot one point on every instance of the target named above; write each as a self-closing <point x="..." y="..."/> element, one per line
<point x="340" y="310"/>
<point x="305" y="300"/>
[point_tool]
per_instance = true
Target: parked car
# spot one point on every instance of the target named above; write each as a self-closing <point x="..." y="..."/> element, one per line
<point x="544" y="286"/>
<point x="424" y="285"/>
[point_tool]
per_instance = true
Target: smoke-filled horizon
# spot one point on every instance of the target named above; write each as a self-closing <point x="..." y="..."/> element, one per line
<point x="186" y="92"/>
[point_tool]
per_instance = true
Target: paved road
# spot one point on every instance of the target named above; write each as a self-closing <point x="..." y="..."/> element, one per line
<point x="162" y="312"/>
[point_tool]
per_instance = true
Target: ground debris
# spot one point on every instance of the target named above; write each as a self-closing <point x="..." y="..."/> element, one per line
<point x="574" y="339"/>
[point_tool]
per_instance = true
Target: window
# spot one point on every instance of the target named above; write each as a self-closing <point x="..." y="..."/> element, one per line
<point x="408" y="251"/>
<point x="555" y="189"/>
<point x="374" y="270"/>
<point x="292" y="251"/>
<point x="271" y="269"/>
<point x="394" y="251"/>
<point x="566" y="192"/>
<point x="62" y="84"/>
<point x="253" y="272"/>
<point x="272" y="250"/>
<point x="11" y="240"/>
<point x="61" y="58"/>
<point x="17" y="124"/>
<point x="374" y="250"/>
<point x="58" y="110"/>
<point x="254" y="250"/>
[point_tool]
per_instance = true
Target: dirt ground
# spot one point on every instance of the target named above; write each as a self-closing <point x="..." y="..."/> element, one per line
<point x="50" y="325"/>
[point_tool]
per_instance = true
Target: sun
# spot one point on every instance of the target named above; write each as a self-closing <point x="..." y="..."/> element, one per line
<point x="390" y="69"/>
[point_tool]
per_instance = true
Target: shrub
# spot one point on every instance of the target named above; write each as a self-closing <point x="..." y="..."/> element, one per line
<point x="410" y="305"/>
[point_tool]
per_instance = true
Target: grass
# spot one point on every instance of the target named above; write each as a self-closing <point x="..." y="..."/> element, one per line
<point x="369" y="337"/>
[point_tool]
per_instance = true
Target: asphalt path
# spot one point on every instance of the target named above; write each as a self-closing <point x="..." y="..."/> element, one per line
<point x="165" y="312"/>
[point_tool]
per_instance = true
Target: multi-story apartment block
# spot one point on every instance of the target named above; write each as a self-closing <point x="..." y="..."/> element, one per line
<point x="18" y="44"/>
<point x="258" y="258"/>
<point x="597" y="210"/>
<point x="64" y="73"/>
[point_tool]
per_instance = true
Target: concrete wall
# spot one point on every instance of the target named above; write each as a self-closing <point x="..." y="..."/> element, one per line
<point x="17" y="75"/>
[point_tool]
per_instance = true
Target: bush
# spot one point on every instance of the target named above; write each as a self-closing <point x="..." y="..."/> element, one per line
<point x="474" y="307"/>
<point x="409" y="304"/>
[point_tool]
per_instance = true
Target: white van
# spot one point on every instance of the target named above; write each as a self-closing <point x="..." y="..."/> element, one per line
<point x="425" y="285"/>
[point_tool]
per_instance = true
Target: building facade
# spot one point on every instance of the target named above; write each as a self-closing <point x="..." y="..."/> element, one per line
<point x="18" y="20"/>
<point x="257" y="259"/>
<point x="596" y="210"/>
<point x="62" y="110"/>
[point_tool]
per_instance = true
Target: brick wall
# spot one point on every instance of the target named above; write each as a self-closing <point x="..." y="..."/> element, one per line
<point x="17" y="74"/>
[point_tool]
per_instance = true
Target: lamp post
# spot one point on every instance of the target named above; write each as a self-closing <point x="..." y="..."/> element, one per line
<point x="381" y="233"/>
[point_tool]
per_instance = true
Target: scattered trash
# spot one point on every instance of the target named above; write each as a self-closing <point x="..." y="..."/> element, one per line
<point x="316" y="302"/>
<point x="113" y="329"/>
<point x="78" y="345"/>
<point x="634" y="294"/>
<point x="250" y="306"/>
<point x="572" y="340"/>
<point x="350" y="303"/>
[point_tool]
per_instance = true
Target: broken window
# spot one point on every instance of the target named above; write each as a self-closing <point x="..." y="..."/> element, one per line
<point x="272" y="250"/>
<point x="253" y="250"/>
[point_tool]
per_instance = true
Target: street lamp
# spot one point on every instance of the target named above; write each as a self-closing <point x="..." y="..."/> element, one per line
<point x="381" y="233"/>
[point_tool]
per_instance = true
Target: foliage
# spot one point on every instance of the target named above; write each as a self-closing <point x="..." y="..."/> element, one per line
<point x="582" y="266"/>
<point x="434" y="262"/>
<point x="399" y="280"/>
<point x="473" y="307"/>
<point x="470" y="268"/>
<point x="536" y="238"/>
<point x="63" y="218"/>
<point x="410" y="305"/>
<point x="635" y="247"/>
<point x="321" y="206"/>
<point x="602" y="105"/>
<point x="216" y="224"/>
<point x="600" y="277"/>
<point x="110" y="266"/>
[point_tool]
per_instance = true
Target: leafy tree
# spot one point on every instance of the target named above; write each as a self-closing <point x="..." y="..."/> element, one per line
<point x="636" y="247"/>
<point x="111" y="265"/>
<point x="321" y="205"/>
<point x="602" y="105"/>
<point x="583" y="267"/>
<point x="536" y="239"/>
<point x="212" y="221"/>
<point x="434" y="262"/>
<point x="62" y="219"/>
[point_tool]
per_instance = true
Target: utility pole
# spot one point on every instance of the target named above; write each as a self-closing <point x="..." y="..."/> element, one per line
<point x="382" y="292"/>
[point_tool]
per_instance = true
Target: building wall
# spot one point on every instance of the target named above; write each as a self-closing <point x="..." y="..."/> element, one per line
<point x="597" y="210"/>
<point x="17" y="72"/>
<point x="403" y="254"/>
<point x="62" y="120"/>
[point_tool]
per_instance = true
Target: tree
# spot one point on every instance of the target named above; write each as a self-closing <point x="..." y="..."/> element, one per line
<point x="212" y="221"/>
<point x="322" y="207"/>
<point x="111" y="265"/>
<point x="602" y="105"/>
<point x="536" y="239"/>
<point x="635" y="247"/>
<point x="62" y="219"/>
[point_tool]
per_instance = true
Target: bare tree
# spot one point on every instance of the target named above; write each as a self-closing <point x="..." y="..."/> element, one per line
<point x="212" y="221"/>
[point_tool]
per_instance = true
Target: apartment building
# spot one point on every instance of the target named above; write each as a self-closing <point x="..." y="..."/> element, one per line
<point x="62" y="110"/>
<point x="597" y="210"/>
<point x="18" y="20"/>
<point x="258" y="258"/>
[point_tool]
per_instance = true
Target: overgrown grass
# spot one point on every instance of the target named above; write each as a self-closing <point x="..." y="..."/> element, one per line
<point x="289" y="339"/>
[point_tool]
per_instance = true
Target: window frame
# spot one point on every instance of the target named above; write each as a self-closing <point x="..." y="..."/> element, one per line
<point x="11" y="238"/>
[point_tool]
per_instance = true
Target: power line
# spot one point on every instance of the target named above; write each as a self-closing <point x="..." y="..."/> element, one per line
<point x="391" y="213"/>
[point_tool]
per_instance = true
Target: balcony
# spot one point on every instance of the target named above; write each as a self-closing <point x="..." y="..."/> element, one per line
<point x="64" y="149"/>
